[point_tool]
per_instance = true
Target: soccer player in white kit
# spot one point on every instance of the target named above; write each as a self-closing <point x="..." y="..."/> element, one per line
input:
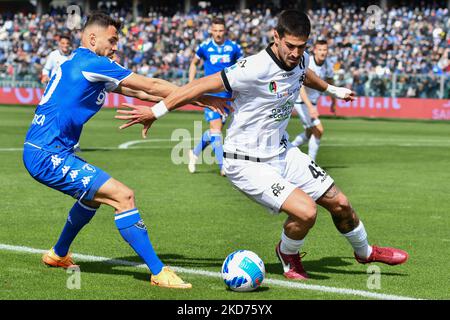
<point x="306" y="104"/>
<point x="258" y="158"/>
<point x="56" y="58"/>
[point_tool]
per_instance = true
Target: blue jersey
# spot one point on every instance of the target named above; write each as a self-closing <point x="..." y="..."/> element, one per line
<point x="74" y="94"/>
<point x="216" y="57"/>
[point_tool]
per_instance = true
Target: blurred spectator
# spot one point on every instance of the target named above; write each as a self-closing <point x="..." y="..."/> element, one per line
<point x="405" y="42"/>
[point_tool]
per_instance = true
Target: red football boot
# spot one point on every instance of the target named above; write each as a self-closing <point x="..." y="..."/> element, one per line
<point x="390" y="256"/>
<point x="292" y="265"/>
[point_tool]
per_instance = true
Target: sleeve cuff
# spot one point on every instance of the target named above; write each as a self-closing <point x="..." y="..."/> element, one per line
<point x="225" y="81"/>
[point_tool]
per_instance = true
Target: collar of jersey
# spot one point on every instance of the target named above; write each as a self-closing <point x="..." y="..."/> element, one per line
<point x="279" y="63"/>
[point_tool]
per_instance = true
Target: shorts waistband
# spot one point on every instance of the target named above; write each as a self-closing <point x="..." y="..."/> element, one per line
<point x="236" y="156"/>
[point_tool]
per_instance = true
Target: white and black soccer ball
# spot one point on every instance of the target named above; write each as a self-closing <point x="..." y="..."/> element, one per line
<point x="243" y="270"/>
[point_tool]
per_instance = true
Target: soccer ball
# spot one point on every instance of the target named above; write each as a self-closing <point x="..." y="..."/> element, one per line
<point x="243" y="270"/>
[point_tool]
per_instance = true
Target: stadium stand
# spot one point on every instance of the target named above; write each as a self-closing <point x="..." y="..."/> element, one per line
<point x="405" y="55"/>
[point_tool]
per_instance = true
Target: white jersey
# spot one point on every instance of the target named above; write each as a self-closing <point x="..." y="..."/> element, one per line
<point x="324" y="71"/>
<point x="54" y="60"/>
<point x="264" y="92"/>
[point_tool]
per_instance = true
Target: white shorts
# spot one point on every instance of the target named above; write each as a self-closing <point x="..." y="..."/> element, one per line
<point x="305" y="118"/>
<point x="271" y="182"/>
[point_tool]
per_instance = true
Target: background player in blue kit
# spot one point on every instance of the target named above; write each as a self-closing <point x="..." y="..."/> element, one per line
<point x="74" y="94"/>
<point x="217" y="54"/>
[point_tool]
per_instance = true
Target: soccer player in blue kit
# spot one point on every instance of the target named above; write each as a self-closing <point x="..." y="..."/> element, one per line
<point x="217" y="53"/>
<point x="74" y="94"/>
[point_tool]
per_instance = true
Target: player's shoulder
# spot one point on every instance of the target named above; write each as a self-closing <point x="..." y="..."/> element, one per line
<point x="231" y="43"/>
<point x="88" y="59"/>
<point x="256" y="65"/>
<point x="305" y="60"/>
<point x="206" y="43"/>
<point x="55" y="53"/>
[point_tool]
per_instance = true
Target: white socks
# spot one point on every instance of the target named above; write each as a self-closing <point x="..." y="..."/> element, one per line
<point x="290" y="246"/>
<point x="300" y="139"/>
<point x="313" y="147"/>
<point x="358" y="239"/>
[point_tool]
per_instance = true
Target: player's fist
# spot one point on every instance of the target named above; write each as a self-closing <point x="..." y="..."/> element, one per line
<point x="340" y="93"/>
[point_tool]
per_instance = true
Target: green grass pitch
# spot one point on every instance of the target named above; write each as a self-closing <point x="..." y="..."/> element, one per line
<point x="396" y="174"/>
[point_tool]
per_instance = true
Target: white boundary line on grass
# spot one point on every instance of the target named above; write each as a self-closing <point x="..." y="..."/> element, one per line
<point x="325" y="145"/>
<point x="275" y="282"/>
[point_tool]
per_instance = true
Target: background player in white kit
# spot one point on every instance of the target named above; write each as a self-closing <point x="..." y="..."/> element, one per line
<point x="56" y="58"/>
<point x="259" y="160"/>
<point x="306" y="104"/>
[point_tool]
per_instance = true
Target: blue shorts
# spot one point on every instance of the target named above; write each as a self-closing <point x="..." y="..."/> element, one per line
<point x="211" y="115"/>
<point x="64" y="172"/>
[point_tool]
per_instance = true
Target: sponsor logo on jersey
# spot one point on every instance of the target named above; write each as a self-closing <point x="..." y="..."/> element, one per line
<point x="283" y="112"/>
<point x="288" y="92"/>
<point x="220" y="58"/>
<point x="272" y="87"/>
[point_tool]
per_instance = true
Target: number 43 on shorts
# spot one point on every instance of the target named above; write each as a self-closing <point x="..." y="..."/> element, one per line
<point x="316" y="171"/>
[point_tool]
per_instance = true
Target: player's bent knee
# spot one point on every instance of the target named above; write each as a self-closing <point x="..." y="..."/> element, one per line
<point x="342" y="205"/>
<point x="306" y="215"/>
<point x="127" y="197"/>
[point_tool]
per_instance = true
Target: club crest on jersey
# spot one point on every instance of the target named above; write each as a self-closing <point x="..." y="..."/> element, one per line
<point x="273" y="87"/>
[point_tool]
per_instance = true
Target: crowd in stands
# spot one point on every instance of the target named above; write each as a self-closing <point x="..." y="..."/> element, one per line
<point x="405" y="47"/>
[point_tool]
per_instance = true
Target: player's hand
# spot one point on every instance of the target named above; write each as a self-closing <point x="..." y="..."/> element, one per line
<point x="137" y="114"/>
<point x="350" y="96"/>
<point x="340" y="93"/>
<point x="215" y="104"/>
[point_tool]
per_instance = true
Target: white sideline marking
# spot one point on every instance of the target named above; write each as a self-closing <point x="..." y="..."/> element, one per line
<point x="280" y="283"/>
<point x="325" y="145"/>
<point x="128" y="144"/>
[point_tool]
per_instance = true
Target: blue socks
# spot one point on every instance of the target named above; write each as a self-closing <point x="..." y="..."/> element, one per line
<point x="206" y="139"/>
<point x="79" y="216"/>
<point x="134" y="231"/>
<point x="216" y="142"/>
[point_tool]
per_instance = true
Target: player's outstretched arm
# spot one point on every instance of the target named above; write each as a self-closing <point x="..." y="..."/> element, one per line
<point x="139" y="94"/>
<point x="152" y="86"/>
<point x="191" y="93"/>
<point x="313" y="81"/>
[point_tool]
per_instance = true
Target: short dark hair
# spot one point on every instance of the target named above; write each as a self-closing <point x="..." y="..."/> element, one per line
<point x="65" y="36"/>
<point x="218" y="20"/>
<point x="102" y="19"/>
<point x="321" y="41"/>
<point x="293" y="22"/>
